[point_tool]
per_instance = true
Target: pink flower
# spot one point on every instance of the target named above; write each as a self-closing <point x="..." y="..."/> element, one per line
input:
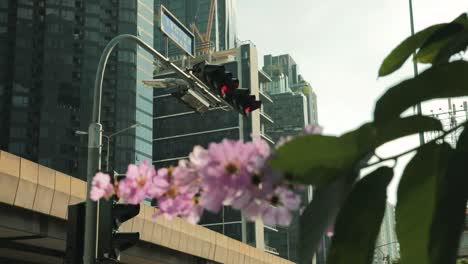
<point x="160" y="183"/>
<point x="288" y="198"/>
<point x="277" y="216"/>
<point x="101" y="187"/>
<point x="283" y="201"/>
<point x="186" y="176"/>
<point x="199" y="157"/>
<point x="176" y="190"/>
<point x="134" y="187"/>
<point x="254" y="209"/>
<point x="262" y="146"/>
<point x="213" y="200"/>
<point x="194" y="215"/>
<point x="227" y="167"/>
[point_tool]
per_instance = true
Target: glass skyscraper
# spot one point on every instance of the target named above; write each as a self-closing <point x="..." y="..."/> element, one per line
<point x="281" y="65"/>
<point x="49" y="52"/>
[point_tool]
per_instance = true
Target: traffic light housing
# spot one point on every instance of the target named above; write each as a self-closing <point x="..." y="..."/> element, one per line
<point x="111" y="215"/>
<point x="75" y="230"/>
<point x="225" y="85"/>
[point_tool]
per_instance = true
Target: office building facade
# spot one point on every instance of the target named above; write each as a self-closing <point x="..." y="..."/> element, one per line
<point x="49" y="55"/>
<point x="281" y="65"/>
<point x="293" y="106"/>
<point x="289" y="113"/>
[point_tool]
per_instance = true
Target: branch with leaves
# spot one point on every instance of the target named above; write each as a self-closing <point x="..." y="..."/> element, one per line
<point x="432" y="193"/>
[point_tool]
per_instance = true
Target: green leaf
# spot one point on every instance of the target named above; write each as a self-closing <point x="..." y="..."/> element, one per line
<point x="416" y="204"/>
<point x="445" y="42"/>
<point x="406" y="126"/>
<point x="357" y="226"/>
<point x="320" y="214"/>
<point x="446" y="80"/>
<point x="318" y="160"/>
<point x="370" y="135"/>
<point x="457" y="44"/>
<point x="315" y="159"/>
<point x="462" y="19"/>
<point x="401" y="53"/>
<point x="449" y="217"/>
<point x="439" y="39"/>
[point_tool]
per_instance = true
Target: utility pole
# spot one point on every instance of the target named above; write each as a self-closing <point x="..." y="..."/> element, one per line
<point x="415" y="69"/>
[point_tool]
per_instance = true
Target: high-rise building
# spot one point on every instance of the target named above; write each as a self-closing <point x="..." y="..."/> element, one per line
<point x="216" y="19"/>
<point x="281" y="65"/>
<point x="289" y="113"/>
<point x="295" y="102"/>
<point x="49" y="52"/>
<point x="305" y="88"/>
<point x="293" y="106"/>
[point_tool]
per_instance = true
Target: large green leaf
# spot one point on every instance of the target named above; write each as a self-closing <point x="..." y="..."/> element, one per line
<point x="439" y="39"/>
<point x="457" y="44"/>
<point x="371" y="135"/>
<point x="357" y="226"/>
<point x="320" y="214"/>
<point x="449" y="217"/>
<point x="315" y="159"/>
<point x="445" y="42"/>
<point x="446" y="80"/>
<point x="401" y="53"/>
<point x="417" y="202"/>
<point x="406" y="126"/>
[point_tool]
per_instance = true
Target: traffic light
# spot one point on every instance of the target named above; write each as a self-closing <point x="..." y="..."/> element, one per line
<point x="243" y="101"/>
<point x="111" y="215"/>
<point x="225" y="85"/>
<point x="214" y="76"/>
<point x="75" y="230"/>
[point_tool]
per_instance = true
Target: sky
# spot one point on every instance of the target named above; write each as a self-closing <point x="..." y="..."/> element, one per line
<point x="339" y="46"/>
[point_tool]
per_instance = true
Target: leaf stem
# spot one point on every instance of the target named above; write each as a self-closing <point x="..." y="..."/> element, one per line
<point x="395" y="157"/>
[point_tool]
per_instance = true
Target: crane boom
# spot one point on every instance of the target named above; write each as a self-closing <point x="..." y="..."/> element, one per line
<point x="210" y="21"/>
<point x="205" y="38"/>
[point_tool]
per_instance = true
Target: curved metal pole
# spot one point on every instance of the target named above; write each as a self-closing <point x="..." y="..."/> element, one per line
<point x="95" y="139"/>
<point x="95" y="135"/>
<point x="103" y="61"/>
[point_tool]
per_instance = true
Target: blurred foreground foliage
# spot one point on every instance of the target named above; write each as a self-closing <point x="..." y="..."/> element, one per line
<point x="432" y="194"/>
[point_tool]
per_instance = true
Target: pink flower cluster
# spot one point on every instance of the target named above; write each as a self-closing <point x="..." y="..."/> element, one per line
<point x="232" y="172"/>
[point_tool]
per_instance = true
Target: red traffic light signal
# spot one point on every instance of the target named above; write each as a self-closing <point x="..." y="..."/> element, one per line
<point x="218" y="79"/>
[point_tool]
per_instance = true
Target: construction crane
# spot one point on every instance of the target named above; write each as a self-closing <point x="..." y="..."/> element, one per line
<point x="205" y="38"/>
